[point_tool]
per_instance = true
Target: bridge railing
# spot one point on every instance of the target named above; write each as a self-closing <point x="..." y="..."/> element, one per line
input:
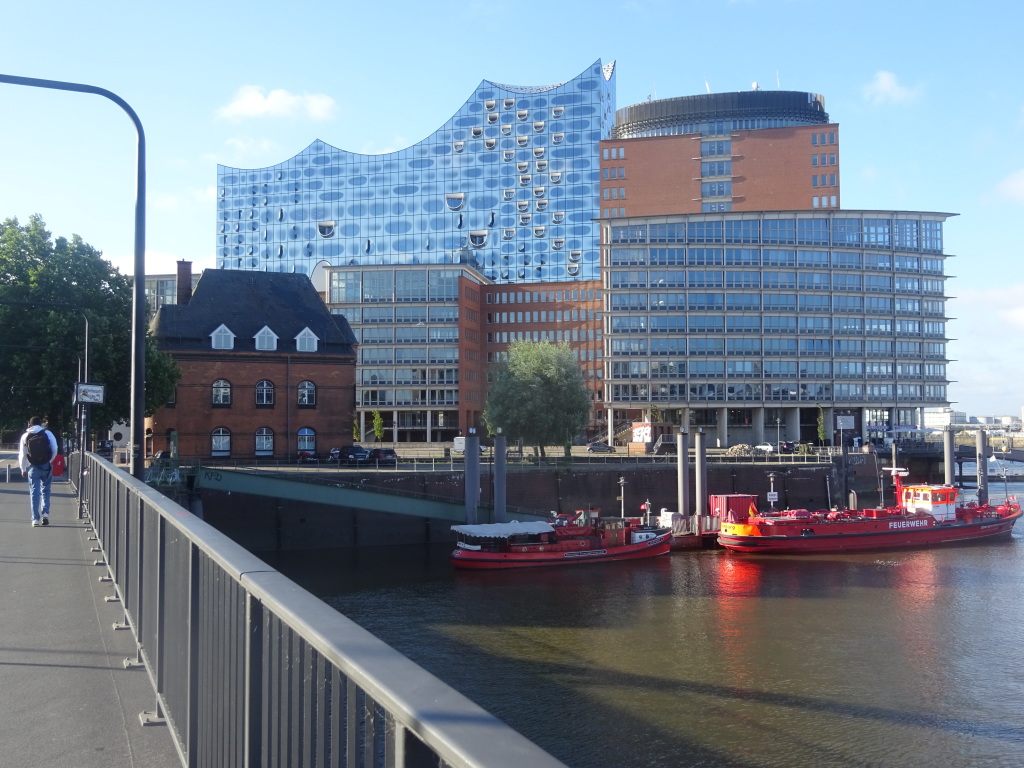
<point x="249" y="669"/>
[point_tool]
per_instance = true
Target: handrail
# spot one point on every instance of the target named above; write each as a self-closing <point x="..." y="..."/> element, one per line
<point x="251" y="669"/>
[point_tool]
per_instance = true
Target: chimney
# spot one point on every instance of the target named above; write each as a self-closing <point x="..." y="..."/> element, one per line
<point x="184" y="282"/>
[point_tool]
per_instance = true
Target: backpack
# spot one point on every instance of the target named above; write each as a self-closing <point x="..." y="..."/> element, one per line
<point x="37" y="448"/>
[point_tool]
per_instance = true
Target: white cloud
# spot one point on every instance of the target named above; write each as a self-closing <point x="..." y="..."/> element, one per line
<point x="1012" y="187"/>
<point x="256" y="101"/>
<point x="243" y="147"/>
<point x="886" y="89"/>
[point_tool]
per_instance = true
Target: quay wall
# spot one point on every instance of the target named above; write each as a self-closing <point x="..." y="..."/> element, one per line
<point x="263" y="524"/>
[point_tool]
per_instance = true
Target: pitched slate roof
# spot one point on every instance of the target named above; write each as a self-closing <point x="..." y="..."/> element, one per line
<point x="245" y="302"/>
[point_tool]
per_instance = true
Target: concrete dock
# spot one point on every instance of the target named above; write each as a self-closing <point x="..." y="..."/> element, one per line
<point x="66" y="698"/>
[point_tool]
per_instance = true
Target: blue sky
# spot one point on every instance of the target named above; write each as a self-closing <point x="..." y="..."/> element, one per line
<point x="927" y="95"/>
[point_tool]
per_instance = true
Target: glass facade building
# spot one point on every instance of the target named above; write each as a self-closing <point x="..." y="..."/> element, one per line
<point x="509" y="186"/>
<point x="732" y="315"/>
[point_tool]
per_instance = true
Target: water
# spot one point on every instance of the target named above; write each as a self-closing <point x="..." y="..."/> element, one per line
<point x="716" y="659"/>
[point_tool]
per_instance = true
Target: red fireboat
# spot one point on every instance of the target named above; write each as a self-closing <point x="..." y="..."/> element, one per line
<point x="566" y="540"/>
<point x="925" y="515"/>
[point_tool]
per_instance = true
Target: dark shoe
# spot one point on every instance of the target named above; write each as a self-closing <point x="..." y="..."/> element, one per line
<point x="46" y="519"/>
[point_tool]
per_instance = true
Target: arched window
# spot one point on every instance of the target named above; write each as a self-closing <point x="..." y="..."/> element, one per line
<point x="220" y="442"/>
<point x="265" y="393"/>
<point x="221" y="394"/>
<point x="307" y="394"/>
<point x="264" y="441"/>
<point x="307" y="440"/>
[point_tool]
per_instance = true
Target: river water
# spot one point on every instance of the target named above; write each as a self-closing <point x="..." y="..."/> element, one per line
<point x="710" y="658"/>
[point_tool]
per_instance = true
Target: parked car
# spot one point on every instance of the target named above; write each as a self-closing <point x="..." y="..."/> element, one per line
<point x="764" y="448"/>
<point x="787" y="446"/>
<point x="308" y="457"/>
<point x="600" y="448"/>
<point x="353" y="454"/>
<point x="383" y="456"/>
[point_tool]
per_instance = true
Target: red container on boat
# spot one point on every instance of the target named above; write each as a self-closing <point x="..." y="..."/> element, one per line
<point x="734" y="507"/>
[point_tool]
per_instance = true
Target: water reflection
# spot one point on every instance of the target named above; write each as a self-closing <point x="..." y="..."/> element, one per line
<point x="716" y="659"/>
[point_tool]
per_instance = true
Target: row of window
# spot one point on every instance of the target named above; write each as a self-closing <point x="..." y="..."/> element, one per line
<point x="825" y="180"/>
<point x="265" y="340"/>
<point x="902" y="234"/>
<point x="713" y="346"/>
<point x="775" y="369"/>
<point x="220" y="441"/>
<point x="775" y="392"/>
<point x="770" y="257"/>
<point x="221" y="394"/>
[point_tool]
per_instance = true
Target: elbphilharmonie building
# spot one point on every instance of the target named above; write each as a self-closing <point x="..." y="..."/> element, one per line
<point x="508" y="185"/>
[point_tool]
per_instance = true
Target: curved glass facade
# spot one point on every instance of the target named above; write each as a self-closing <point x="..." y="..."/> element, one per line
<point x="509" y="185"/>
<point x="716" y="114"/>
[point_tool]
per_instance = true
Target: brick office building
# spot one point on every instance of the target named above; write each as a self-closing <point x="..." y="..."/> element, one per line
<point x="267" y="370"/>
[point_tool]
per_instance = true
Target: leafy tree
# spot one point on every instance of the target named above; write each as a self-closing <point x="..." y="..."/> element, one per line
<point x="43" y="346"/>
<point x="821" y="425"/>
<point x="378" y="425"/>
<point x="538" y="395"/>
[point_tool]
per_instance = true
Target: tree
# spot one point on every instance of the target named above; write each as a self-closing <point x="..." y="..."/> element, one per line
<point x="43" y="346"/>
<point x="378" y="425"/>
<point x="538" y="395"/>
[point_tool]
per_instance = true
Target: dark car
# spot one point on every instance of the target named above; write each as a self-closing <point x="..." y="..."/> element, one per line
<point x="353" y="454"/>
<point x="787" y="446"/>
<point x="600" y="448"/>
<point x="383" y="456"/>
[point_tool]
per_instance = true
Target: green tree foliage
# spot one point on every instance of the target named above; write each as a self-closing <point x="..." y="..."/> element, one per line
<point x="378" y="425"/>
<point x="538" y="395"/>
<point x="42" y="346"/>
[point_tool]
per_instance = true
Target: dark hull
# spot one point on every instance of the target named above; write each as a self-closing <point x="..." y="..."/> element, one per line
<point x="826" y="538"/>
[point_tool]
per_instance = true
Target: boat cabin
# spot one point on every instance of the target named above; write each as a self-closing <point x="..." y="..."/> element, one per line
<point x="939" y="501"/>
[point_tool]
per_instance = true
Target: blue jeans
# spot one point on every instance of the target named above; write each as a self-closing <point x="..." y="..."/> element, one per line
<point x="39" y="478"/>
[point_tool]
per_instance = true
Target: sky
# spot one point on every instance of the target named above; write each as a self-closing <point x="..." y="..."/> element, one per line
<point x="927" y="96"/>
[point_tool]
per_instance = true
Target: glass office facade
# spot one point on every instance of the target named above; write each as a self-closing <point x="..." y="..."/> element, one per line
<point x="509" y="186"/>
<point x="709" y="311"/>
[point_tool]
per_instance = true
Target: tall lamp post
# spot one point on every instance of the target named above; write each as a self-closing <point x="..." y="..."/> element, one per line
<point x="138" y="407"/>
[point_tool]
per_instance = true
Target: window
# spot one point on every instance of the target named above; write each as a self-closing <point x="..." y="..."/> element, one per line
<point x="307" y="440"/>
<point x="306" y="341"/>
<point x="221" y="394"/>
<point x="220" y="442"/>
<point x="266" y="339"/>
<point x="265" y="393"/>
<point x="264" y="441"/>
<point x="223" y="338"/>
<point x="306" y="394"/>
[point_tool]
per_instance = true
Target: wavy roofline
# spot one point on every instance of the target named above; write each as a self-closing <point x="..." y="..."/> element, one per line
<point x="607" y="70"/>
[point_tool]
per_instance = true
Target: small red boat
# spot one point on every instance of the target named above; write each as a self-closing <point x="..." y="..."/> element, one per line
<point x="565" y="541"/>
<point x="926" y="515"/>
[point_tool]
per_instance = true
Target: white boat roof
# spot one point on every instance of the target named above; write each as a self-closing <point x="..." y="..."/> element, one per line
<point x="502" y="530"/>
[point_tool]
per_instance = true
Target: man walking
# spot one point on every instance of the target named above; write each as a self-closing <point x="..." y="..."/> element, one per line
<point x="36" y="451"/>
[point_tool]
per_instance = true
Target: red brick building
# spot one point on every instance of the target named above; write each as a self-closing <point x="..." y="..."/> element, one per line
<point x="267" y="370"/>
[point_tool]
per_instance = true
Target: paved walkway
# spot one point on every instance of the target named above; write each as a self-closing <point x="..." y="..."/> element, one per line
<point x="66" y="699"/>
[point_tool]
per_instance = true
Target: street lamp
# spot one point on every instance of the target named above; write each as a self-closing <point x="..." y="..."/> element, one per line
<point x="772" y="496"/>
<point x="138" y="385"/>
<point x="778" y="433"/>
<point x="622" y="496"/>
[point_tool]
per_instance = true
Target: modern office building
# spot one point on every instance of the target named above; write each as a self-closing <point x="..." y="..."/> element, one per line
<point x="752" y="325"/>
<point x="693" y="251"/>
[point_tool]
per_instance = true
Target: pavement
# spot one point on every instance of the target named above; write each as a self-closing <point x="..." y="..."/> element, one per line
<point x="66" y="698"/>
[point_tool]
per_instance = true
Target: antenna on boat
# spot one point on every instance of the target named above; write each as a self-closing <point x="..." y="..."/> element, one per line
<point x="897" y="473"/>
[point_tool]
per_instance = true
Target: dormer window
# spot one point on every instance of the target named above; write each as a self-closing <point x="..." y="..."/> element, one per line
<point x="222" y="338"/>
<point x="522" y="167"/>
<point x="478" y="238"/>
<point x="476" y="131"/>
<point x="306" y="341"/>
<point x="523" y="206"/>
<point x="556" y="112"/>
<point x="538" y="127"/>
<point x="506" y="129"/>
<point x="510" y="194"/>
<point x="492" y="118"/>
<point x="557" y="138"/>
<point x="558" y="217"/>
<point x="509" y="103"/>
<point x="458" y="146"/>
<point x="266" y="339"/>
<point x="325" y="228"/>
<point x="523" y="115"/>
<point x="509" y="155"/>
<point x="489" y="143"/>
<point x="541" y="205"/>
<point x="489" y="104"/>
<point x="522" y="141"/>
<point x="538" y="152"/>
<point x="454" y="200"/>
